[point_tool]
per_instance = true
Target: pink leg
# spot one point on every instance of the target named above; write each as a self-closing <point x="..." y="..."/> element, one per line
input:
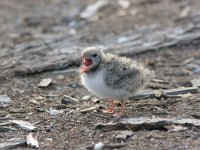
<point x="112" y="108"/>
<point x="122" y="109"/>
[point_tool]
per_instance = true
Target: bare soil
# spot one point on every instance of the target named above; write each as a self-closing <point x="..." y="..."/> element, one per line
<point x="24" y="23"/>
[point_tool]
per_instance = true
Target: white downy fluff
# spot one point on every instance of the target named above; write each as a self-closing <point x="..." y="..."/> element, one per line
<point x="94" y="82"/>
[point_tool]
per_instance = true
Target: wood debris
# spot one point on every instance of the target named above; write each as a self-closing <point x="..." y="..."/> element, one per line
<point x="66" y="99"/>
<point x="90" y="109"/>
<point x="49" y="66"/>
<point x="142" y="123"/>
<point x="165" y="93"/>
<point x="148" y="39"/>
<point x="74" y="99"/>
<point x="24" y="124"/>
<point x="7" y="129"/>
<point x="12" y="143"/>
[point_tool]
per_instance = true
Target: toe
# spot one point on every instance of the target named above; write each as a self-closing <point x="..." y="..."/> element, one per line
<point x="109" y="111"/>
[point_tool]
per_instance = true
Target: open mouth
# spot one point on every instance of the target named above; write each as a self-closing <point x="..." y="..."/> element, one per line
<point x="87" y="62"/>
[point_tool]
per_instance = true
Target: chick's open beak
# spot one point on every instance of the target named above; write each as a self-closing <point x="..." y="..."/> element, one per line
<point x="87" y="62"/>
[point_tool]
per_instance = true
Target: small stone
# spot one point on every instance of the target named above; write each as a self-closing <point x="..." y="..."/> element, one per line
<point x="86" y="97"/>
<point x="95" y="100"/>
<point x="45" y="82"/>
<point x="99" y="146"/>
<point x="4" y="99"/>
<point x="32" y="141"/>
<point x="175" y="128"/>
<point x="24" y="124"/>
<point x="185" y="96"/>
<point x="124" y="135"/>
<point x="72" y="85"/>
<point x="54" y="112"/>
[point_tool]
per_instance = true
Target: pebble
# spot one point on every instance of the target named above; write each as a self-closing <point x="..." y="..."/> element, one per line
<point x="95" y="100"/>
<point x="86" y="97"/>
<point x="4" y="99"/>
<point x="39" y="109"/>
<point x="45" y="82"/>
<point x="54" y="112"/>
<point x="99" y="146"/>
<point x="66" y="101"/>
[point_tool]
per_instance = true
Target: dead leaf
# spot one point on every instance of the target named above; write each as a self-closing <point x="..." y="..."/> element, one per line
<point x="124" y="3"/>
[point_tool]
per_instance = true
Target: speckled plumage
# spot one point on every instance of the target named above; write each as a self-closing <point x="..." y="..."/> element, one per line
<point x="124" y="73"/>
<point x="121" y="72"/>
<point x="112" y="77"/>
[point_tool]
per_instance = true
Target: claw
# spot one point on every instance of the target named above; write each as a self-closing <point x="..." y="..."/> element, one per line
<point x="112" y="109"/>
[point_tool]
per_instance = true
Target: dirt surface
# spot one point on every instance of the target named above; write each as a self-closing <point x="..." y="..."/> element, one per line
<point x="31" y="32"/>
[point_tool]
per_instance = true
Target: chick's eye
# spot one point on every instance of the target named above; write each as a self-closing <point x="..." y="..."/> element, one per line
<point x="94" y="55"/>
